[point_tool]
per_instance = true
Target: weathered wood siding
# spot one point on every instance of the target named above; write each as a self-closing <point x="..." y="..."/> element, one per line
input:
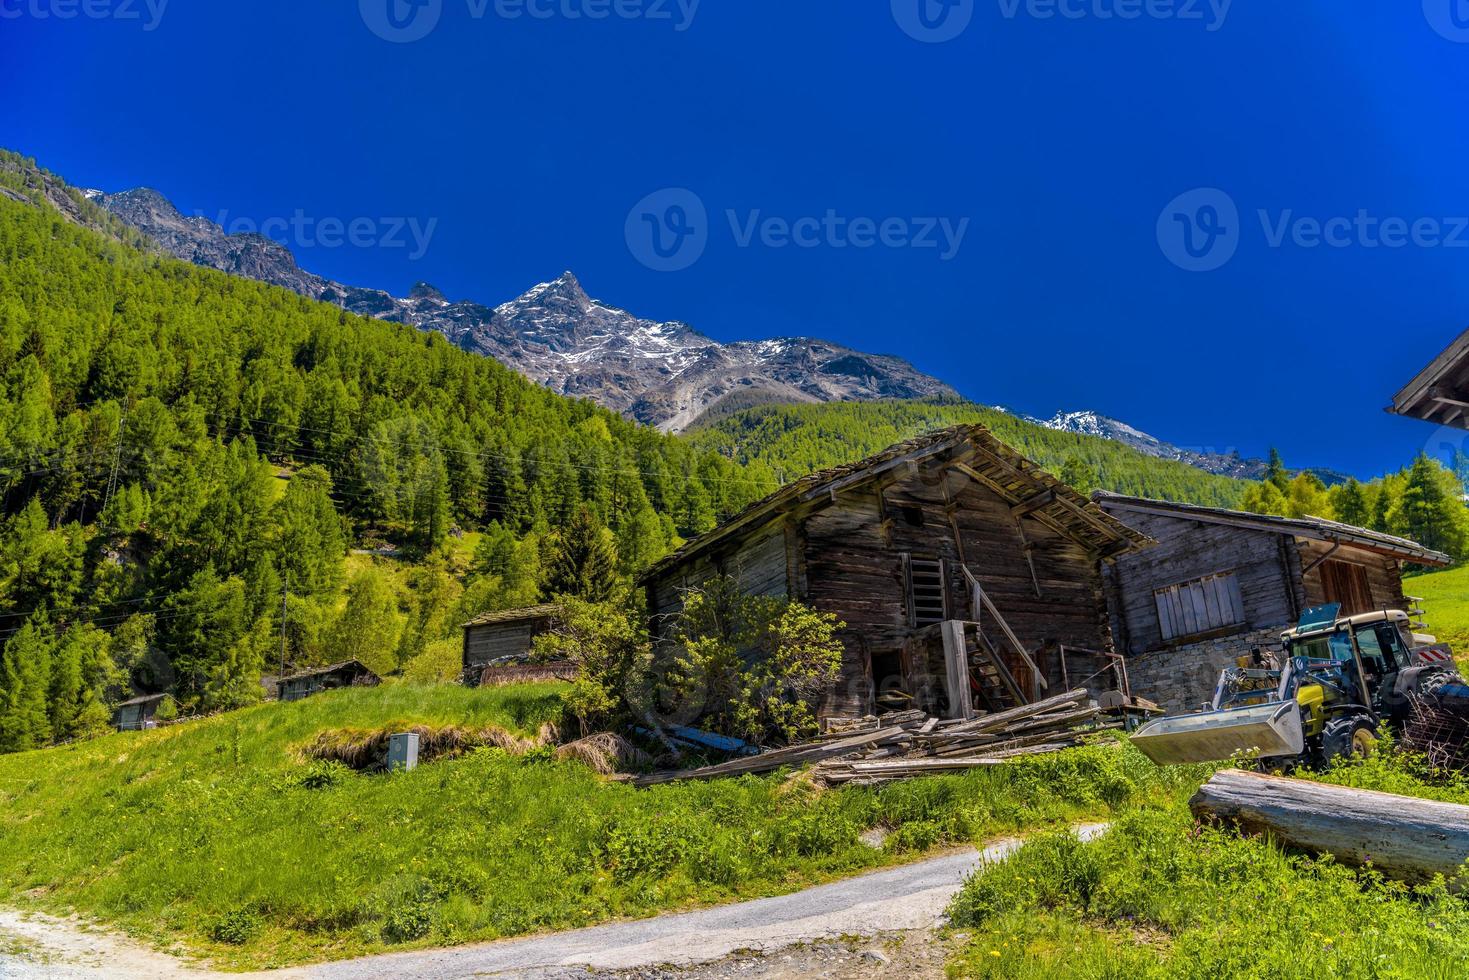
<point x="494" y="640"/>
<point x="1384" y="574"/>
<point x="855" y="551"/>
<point x="1265" y="564"/>
<point x="759" y="564"/>
<point x="849" y="556"/>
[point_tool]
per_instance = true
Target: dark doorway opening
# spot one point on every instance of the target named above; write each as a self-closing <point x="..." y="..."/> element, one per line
<point x="889" y="690"/>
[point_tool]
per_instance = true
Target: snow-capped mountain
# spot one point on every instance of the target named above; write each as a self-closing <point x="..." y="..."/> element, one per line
<point x="665" y="374"/>
<point x="1096" y="424"/>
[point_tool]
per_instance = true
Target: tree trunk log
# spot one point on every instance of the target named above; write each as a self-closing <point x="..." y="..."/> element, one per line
<point x="1405" y="838"/>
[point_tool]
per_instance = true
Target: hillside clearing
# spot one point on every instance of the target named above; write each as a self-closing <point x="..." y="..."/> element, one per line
<point x="212" y="835"/>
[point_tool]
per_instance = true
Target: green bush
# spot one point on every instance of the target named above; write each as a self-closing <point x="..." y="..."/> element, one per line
<point x="235" y="928"/>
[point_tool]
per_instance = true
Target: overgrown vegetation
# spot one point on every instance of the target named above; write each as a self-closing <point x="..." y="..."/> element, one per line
<point x="213" y="833"/>
<point x="1161" y="897"/>
<point x="753" y="667"/>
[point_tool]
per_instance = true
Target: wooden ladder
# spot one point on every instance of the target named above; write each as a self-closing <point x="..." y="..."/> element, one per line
<point x="988" y="675"/>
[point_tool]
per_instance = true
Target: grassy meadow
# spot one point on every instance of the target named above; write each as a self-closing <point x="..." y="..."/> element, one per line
<point x="1160" y="898"/>
<point x="213" y="836"/>
<point x="1445" y="598"/>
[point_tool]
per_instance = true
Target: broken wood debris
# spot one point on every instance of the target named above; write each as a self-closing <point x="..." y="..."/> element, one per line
<point x="905" y="744"/>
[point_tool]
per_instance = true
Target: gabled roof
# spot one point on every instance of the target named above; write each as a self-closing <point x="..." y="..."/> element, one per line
<point x="1314" y="528"/>
<point x="970" y="449"/>
<point x="546" y="610"/>
<point x="143" y="699"/>
<point x="328" y="669"/>
<point x="1440" y="392"/>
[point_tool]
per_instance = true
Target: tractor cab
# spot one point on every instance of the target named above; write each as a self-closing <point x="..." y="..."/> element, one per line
<point x="1359" y="659"/>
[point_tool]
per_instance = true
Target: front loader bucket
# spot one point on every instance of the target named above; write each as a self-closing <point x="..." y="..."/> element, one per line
<point x="1271" y="730"/>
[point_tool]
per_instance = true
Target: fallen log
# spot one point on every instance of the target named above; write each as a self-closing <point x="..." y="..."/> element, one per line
<point x="1405" y="838"/>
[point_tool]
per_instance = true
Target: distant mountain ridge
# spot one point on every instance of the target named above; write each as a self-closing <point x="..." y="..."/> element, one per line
<point x="664" y="374"/>
<point x="1223" y="464"/>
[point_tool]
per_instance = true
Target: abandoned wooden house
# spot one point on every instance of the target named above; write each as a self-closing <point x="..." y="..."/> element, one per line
<point x="1440" y="392"/>
<point x="140" y="713"/>
<point x="1222" y="583"/>
<point x="349" y="673"/>
<point x="498" y="646"/>
<point x="967" y="578"/>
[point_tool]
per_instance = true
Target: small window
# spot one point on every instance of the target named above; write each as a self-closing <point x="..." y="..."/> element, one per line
<point x="1203" y="605"/>
<point x="926" y="604"/>
<point x="912" y="516"/>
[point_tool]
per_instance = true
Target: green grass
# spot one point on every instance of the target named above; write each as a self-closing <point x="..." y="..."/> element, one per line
<point x="1445" y="605"/>
<point x="1160" y="897"/>
<point x="212" y="834"/>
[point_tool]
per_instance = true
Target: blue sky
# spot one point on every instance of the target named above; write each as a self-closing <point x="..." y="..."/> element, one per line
<point x="1055" y="134"/>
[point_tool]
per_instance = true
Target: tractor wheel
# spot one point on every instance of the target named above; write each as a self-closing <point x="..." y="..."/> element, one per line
<point x="1346" y="737"/>
<point x="1430" y="683"/>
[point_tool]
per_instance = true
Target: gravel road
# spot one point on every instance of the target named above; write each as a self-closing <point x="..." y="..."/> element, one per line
<point x="892" y="901"/>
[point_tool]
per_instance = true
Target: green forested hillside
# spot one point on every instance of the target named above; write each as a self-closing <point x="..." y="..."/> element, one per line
<point x="795" y="439"/>
<point x="184" y="454"/>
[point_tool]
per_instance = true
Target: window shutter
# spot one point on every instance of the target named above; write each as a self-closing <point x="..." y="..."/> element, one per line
<point x="1201" y="605"/>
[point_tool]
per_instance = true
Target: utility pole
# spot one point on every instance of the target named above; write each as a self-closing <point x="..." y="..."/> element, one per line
<point x="285" y="595"/>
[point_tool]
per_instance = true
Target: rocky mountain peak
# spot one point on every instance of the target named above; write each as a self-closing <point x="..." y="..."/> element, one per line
<point x="425" y="291"/>
<point x="664" y="373"/>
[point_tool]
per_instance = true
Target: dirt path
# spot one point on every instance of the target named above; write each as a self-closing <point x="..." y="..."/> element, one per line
<point x="892" y="902"/>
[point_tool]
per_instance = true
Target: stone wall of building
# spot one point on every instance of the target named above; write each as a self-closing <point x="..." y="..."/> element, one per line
<point x="1183" y="678"/>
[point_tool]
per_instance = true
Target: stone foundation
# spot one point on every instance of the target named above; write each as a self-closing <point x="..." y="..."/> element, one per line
<point x="1183" y="678"/>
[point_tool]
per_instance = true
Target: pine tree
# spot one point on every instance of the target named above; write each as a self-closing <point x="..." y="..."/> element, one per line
<point x="311" y="540"/>
<point x="1275" y="471"/>
<point x="1431" y="510"/>
<point x="582" y="561"/>
<point x="25" y="680"/>
<point x="1350" y="503"/>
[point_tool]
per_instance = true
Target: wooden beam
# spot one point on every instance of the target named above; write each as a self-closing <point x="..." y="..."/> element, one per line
<point x="956" y="677"/>
<point x="1042" y="499"/>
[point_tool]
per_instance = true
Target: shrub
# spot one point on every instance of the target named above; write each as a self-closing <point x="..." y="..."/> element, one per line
<point x="235" y="928"/>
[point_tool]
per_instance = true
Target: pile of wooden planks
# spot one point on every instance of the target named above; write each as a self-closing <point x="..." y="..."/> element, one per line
<point x="909" y="743"/>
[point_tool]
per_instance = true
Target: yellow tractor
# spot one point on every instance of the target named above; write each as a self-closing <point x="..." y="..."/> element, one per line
<point x="1340" y="679"/>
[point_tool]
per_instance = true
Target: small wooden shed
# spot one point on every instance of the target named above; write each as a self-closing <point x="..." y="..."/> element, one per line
<point x="502" y="642"/>
<point x="966" y="576"/>
<point x="1222" y="583"/>
<point x="139" y="713"/>
<point x="348" y="673"/>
